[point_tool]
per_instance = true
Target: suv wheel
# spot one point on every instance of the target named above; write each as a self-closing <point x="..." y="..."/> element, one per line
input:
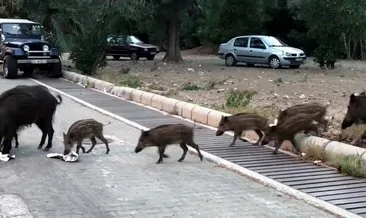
<point x="56" y="70"/>
<point x="116" y="57"/>
<point x="28" y="71"/>
<point x="10" y="67"/>
<point x="134" y="56"/>
<point x="274" y="62"/>
<point x="230" y="60"/>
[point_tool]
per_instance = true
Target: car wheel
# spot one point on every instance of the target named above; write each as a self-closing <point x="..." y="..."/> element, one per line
<point x="116" y="57"/>
<point x="28" y="71"/>
<point x="230" y="60"/>
<point x="274" y="62"/>
<point x="56" y="70"/>
<point x="294" y="66"/>
<point x="134" y="56"/>
<point x="250" y="65"/>
<point x="10" y="67"/>
<point x="150" y="57"/>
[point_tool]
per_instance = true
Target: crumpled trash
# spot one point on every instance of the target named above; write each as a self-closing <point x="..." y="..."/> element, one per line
<point x="6" y="157"/>
<point x="71" y="157"/>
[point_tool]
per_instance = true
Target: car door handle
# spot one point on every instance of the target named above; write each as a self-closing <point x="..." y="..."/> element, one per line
<point x="251" y="50"/>
<point x="234" y="49"/>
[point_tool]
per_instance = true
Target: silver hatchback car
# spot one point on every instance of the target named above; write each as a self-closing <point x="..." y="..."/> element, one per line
<point x="260" y="49"/>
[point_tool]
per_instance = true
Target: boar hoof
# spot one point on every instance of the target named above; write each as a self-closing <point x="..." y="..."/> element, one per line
<point x="39" y="147"/>
<point x="274" y="152"/>
<point x="88" y="151"/>
<point x="166" y="156"/>
<point x="180" y="160"/>
<point x="107" y="152"/>
<point x="46" y="149"/>
<point x="159" y="161"/>
<point x="231" y="145"/>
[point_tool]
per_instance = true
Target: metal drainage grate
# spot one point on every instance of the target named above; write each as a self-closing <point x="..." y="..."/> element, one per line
<point x="319" y="181"/>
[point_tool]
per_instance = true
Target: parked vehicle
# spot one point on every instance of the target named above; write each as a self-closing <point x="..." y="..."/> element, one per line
<point x="129" y="46"/>
<point x="260" y="49"/>
<point x="23" y="47"/>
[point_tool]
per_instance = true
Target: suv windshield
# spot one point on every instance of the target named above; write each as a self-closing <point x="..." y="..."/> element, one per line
<point x="22" y="30"/>
<point x="133" y="40"/>
<point x="273" y="42"/>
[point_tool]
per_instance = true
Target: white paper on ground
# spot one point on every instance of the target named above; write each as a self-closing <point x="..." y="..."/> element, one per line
<point x="6" y="157"/>
<point x="71" y="157"/>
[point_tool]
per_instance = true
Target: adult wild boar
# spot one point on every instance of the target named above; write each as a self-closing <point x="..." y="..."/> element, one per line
<point x="356" y="112"/>
<point x="24" y="105"/>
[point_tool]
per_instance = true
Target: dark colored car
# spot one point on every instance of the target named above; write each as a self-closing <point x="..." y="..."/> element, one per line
<point x="23" y="47"/>
<point x="129" y="46"/>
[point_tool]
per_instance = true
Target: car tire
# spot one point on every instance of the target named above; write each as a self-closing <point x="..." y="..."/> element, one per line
<point x="274" y="62"/>
<point x="116" y="57"/>
<point x="134" y="56"/>
<point x="28" y="71"/>
<point x="56" y="70"/>
<point x="10" y="67"/>
<point x="250" y="65"/>
<point x="230" y="60"/>
<point x="294" y="66"/>
<point x="150" y="57"/>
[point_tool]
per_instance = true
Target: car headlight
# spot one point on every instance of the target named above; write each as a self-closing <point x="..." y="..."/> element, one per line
<point x="45" y="48"/>
<point x="287" y="54"/>
<point x="26" y="48"/>
<point x="145" y="49"/>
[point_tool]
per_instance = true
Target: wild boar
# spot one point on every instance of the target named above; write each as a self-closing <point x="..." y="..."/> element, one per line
<point x="306" y="108"/>
<point x="82" y="129"/>
<point x="24" y="105"/>
<point x="356" y="112"/>
<point x="289" y="127"/>
<point x="241" y="122"/>
<point x="168" y="134"/>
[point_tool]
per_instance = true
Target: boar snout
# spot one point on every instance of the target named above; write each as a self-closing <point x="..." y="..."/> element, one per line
<point x="138" y="149"/>
<point x="66" y="151"/>
<point x="347" y="121"/>
<point x="219" y="132"/>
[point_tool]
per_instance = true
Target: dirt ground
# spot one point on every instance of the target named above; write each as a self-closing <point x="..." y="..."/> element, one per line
<point x="275" y="89"/>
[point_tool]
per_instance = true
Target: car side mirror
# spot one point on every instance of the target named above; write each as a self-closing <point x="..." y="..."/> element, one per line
<point x="2" y="37"/>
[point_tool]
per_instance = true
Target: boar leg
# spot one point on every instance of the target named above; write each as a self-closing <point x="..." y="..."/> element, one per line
<point x="44" y="134"/>
<point x="278" y="143"/>
<point x="261" y="137"/>
<point x="195" y="146"/>
<point x="94" y="142"/>
<point x="78" y="146"/>
<point x="161" y="154"/>
<point x="185" y="149"/>
<point x="101" y="137"/>
<point x="236" y="135"/>
<point x="50" y="131"/>
<point x="292" y="140"/>
<point x="16" y="141"/>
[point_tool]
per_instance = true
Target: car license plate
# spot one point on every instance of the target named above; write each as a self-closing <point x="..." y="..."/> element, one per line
<point x="39" y="61"/>
<point x="152" y="52"/>
<point x="298" y="59"/>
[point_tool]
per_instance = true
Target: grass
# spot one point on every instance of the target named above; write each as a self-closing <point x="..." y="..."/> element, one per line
<point x="352" y="165"/>
<point x="314" y="153"/>
<point x="239" y="98"/>
<point x="131" y="81"/>
<point x="190" y="87"/>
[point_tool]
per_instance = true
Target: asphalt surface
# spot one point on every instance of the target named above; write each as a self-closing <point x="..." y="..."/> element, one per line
<point x="125" y="184"/>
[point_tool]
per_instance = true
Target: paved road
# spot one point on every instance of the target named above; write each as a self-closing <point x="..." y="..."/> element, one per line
<point x="124" y="184"/>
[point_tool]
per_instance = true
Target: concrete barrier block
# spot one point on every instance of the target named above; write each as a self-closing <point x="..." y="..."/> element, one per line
<point x="187" y="110"/>
<point x="136" y="95"/>
<point x="169" y="105"/>
<point x="334" y="150"/>
<point x="179" y="108"/>
<point x="116" y="90"/>
<point x="146" y="98"/>
<point x="123" y="92"/>
<point x="303" y="142"/>
<point x="103" y="86"/>
<point x="158" y="101"/>
<point x="200" y="114"/>
<point x="214" y="118"/>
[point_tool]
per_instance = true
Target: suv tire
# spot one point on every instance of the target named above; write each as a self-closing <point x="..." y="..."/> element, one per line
<point x="274" y="62"/>
<point x="150" y="57"/>
<point x="116" y="57"/>
<point x="10" y="67"/>
<point x="56" y="70"/>
<point x="230" y="60"/>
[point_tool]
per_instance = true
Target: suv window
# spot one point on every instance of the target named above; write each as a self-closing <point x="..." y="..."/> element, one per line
<point x="241" y="42"/>
<point x="257" y="43"/>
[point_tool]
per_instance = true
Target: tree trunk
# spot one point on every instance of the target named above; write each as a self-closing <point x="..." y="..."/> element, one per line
<point x="173" y="53"/>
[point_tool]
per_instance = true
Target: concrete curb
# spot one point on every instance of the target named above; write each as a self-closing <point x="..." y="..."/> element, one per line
<point x="219" y="161"/>
<point x="205" y="115"/>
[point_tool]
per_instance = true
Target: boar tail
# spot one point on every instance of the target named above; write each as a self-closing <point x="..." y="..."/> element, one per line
<point x="59" y="99"/>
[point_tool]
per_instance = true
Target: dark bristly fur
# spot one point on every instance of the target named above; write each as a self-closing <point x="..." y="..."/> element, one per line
<point x="306" y="108"/>
<point x="289" y="127"/>
<point x="167" y="134"/>
<point x="240" y="122"/>
<point x="24" y="105"/>
<point x="82" y="129"/>
<point x="356" y="112"/>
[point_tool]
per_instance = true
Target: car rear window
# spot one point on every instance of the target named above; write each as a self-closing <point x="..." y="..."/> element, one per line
<point x="241" y="42"/>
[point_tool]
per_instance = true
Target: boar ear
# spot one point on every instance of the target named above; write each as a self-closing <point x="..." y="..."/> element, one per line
<point x="225" y="118"/>
<point x="64" y="134"/>
<point x="145" y="133"/>
<point x="352" y="98"/>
